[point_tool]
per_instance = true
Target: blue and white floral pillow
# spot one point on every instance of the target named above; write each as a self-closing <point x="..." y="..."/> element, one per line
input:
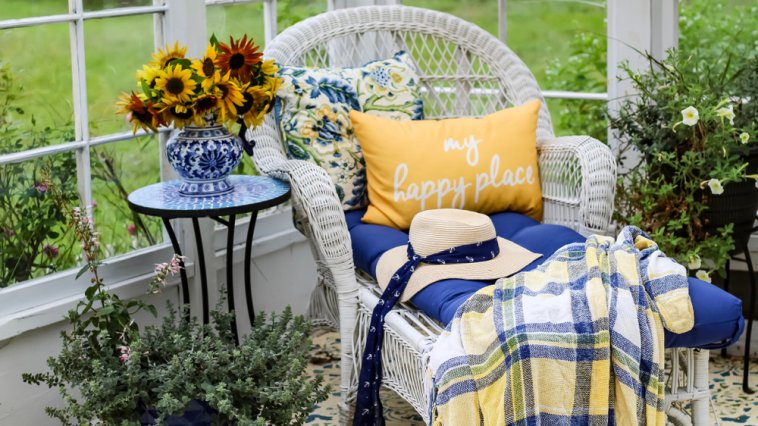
<point x="313" y="106"/>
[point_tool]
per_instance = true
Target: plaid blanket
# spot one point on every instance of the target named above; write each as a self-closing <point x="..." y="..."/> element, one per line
<point x="578" y="341"/>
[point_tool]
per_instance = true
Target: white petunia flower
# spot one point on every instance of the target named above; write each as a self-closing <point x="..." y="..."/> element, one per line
<point x="702" y="275"/>
<point x="726" y="112"/>
<point x="744" y="137"/>
<point x="694" y="262"/>
<point x="690" y="116"/>
<point x="716" y="187"/>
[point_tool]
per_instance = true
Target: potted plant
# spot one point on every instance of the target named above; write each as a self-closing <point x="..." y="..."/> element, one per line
<point x="687" y="157"/>
<point x="181" y="372"/>
<point x="231" y="84"/>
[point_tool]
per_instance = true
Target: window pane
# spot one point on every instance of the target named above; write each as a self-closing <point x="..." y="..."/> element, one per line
<point x="236" y="20"/>
<point x="117" y="170"/>
<point x="116" y="48"/>
<point x="15" y="9"/>
<point x="290" y="12"/>
<point x="90" y="5"/>
<point x="35" y="78"/>
<point x="540" y="32"/>
<point x="34" y="238"/>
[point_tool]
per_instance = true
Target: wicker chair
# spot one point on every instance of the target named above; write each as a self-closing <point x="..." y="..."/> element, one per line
<point x="464" y="71"/>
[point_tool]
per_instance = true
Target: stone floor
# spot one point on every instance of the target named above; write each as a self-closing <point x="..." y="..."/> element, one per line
<point x="730" y="406"/>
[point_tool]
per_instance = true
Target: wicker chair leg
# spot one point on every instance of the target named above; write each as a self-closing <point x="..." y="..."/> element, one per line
<point x="701" y="403"/>
<point x="347" y="295"/>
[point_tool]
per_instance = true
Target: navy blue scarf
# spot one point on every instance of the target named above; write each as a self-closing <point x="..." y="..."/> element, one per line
<point x="368" y="406"/>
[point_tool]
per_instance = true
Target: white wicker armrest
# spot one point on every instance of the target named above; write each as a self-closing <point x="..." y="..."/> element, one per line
<point x="578" y="175"/>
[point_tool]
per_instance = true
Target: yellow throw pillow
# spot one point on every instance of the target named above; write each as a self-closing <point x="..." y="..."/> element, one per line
<point x="486" y="164"/>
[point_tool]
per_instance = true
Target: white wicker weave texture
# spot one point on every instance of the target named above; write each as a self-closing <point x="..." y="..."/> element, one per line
<point x="464" y="71"/>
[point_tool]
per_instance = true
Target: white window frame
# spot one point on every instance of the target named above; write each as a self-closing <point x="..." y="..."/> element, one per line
<point x="42" y="301"/>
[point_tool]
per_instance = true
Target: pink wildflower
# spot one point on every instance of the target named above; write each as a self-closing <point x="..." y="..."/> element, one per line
<point x="131" y="229"/>
<point x="41" y="187"/>
<point x="176" y="265"/>
<point x="50" y="251"/>
<point x="125" y="353"/>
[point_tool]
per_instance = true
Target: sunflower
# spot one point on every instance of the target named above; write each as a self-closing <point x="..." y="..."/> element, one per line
<point x="181" y="115"/>
<point x="273" y="84"/>
<point x="257" y="104"/>
<point x="239" y="58"/>
<point x="229" y="95"/>
<point x="269" y="67"/>
<point x="176" y="84"/>
<point x="205" y="104"/>
<point x="161" y="58"/>
<point x="140" y="112"/>
<point x="148" y="75"/>
<point x="206" y="67"/>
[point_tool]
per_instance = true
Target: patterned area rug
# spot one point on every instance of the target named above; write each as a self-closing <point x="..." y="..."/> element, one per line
<point x="730" y="406"/>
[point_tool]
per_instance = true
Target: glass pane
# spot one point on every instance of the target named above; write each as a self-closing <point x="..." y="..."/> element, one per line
<point x="290" y="12"/>
<point x="236" y="20"/>
<point x="117" y="170"/>
<point x="35" y="85"/>
<point x="15" y="9"/>
<point x="540" y="32"/>
<point x="116" y="48"/>
<point x="579" y="117"/>
<point x="34" y="236"/>
<point x="90" y="5"/>
<point x="543" y="32"/>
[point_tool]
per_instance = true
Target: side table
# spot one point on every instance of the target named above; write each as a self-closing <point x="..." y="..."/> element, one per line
<point x="250" y="195"/>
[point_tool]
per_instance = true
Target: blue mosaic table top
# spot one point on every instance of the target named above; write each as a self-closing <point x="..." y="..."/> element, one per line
<point x="250" y="193"/>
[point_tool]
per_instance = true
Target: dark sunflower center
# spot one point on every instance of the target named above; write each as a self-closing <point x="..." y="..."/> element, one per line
<point x="182" y="115"/>
<point x="224" y="90"/>
<point x="249" y="100"/>
<point x="208" y="67"/>
<point x="236" y="61"/>
<point x="175" y="86"/>
<point x="205" y="103"/>
<point x="143" y="116"/>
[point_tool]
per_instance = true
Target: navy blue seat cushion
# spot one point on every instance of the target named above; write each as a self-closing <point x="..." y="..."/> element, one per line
<point x="718" y="314"/>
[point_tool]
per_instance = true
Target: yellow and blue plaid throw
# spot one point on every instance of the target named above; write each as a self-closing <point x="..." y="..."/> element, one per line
<point x="577" y="341"/>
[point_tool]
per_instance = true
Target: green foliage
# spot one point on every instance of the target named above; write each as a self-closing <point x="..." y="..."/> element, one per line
<point x="109" y="372"/>
<point x="584" y="71"/>
<point x="707" y="26"/>
<point x="680" y="163"/>
<point x="31" y="236"/>
<point x="260" y="382"/>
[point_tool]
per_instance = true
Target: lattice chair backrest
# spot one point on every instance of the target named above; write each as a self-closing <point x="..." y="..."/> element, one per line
<point x="464" y="70"/>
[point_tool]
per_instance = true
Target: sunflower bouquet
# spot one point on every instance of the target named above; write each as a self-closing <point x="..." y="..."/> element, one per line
<point x="230" y="84"/>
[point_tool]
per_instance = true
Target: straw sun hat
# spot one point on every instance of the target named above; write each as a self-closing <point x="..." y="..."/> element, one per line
<point x="433" y="231"/>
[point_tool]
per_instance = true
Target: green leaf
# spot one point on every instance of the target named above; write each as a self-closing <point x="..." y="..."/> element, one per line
<point x="83" y="269"/>
<point x="90" y="292"/>
<point x="105" y="311"/>
<point x="152" y="310"/>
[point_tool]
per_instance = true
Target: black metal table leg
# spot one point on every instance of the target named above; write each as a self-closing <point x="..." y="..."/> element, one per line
<point x="751" y="315"/>
<point x="248" y="254"/>
<point x="201" y="260"/>
<point x="230" y="274"/>
<point x="178" y="251"/>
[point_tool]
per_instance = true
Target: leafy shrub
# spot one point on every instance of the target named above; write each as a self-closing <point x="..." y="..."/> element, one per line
<point x="109" y="372"/>
<point x="684" y="126"/>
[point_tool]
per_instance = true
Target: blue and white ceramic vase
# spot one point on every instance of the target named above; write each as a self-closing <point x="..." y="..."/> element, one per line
<point x="204" y="157"/>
